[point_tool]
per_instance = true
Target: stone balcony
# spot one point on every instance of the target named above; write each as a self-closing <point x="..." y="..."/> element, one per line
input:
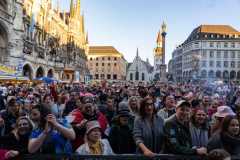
<point x="28" y="47"/>
<point x="40" y="51"/>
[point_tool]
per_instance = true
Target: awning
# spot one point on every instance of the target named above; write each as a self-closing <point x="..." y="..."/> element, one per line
<point x="13" y="78"/>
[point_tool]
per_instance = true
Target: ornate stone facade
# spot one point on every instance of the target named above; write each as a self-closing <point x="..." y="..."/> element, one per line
<point x="40" y="40"/>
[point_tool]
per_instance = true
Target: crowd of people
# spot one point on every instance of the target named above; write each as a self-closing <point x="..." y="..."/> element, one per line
<point x="120" y="118"/>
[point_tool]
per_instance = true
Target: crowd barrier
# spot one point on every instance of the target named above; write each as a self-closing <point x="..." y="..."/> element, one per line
<point x="112" y="157"/>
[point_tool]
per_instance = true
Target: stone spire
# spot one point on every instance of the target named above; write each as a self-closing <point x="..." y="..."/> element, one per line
<point x="82" y="24"/>
<point x="137" y="53"/>
<point x="72" y="9"/>
<point x="164" y="27"/>
<point x="78" y="8"/>
<point x="86" y="39"/>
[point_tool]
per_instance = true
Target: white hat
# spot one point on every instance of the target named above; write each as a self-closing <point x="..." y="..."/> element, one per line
<point x="224" y="111"/>
<point x="92" y="125"/>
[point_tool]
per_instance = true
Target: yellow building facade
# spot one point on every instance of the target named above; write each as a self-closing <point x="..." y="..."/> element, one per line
<point x="106" y="63"/>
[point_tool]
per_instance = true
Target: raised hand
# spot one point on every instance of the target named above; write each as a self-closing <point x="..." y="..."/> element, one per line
<point x="52" y="120"/>
<point x="11" y="154"/>
<point x="1" y="121"/>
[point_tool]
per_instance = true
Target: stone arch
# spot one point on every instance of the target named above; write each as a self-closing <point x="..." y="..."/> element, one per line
<point x="203" y="73"/>
<point x="3" y="42"/>
<point x="232" y="75"/>
<point x="4" y="5"/>
<point x="50" y="73"/>
<point x="27" y="71"/>
<point x="40" y="72"/>
<point x="184" y="74"/>
<point x="191" y="73"/>
<point x="211" y="74"/>
<point x="225" y="74"/>
<point x="218" y="74"/>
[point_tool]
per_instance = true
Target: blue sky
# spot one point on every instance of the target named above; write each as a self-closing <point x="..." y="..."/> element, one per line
<point x="128" y="24"/>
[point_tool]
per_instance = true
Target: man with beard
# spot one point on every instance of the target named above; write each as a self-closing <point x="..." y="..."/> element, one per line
<point x="84" y="114"/>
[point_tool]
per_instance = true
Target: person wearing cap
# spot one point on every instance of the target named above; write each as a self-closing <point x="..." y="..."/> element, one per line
<point x="219" y="154"/>
<point x="178" y="136"/>
<point x="10" y="115"/>
<point x="87" y="112"/>
<point x="120" y="136"/>
<point x="218" y="117"/>
<point x="228" y="136"/>
<point x="148" y="129"/>
<point x="94" y="145"/>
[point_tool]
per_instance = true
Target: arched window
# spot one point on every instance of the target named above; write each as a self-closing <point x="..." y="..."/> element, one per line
<point x="50" y="73"/>
<point x="232" y="75"/>
<point x="27" y="71"/>
<point x="211" y="74"/>
<point x="203" y="73"/>
<point x="137" y="76"/>
<point x="218" y="74"/>
<point x="40" y="72"/>
<point x="143" y="77"/>
<point x="225" y="75"/>
<point x="131" y="76"/>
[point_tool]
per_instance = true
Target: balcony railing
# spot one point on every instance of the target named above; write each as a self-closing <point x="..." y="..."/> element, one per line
<point x="114" y="157"/>
<point x="40" y="51"/>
